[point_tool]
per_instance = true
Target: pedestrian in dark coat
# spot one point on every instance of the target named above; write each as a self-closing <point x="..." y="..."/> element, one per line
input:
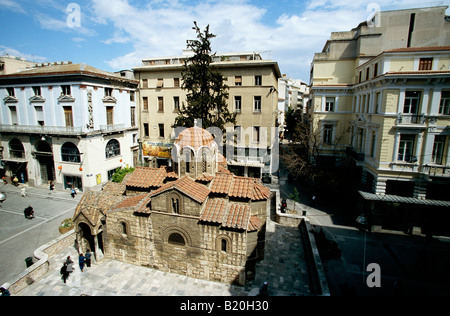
<point x="64" y="273"/>
<point x="81" y="261"/>
<point x="88" y="258"/>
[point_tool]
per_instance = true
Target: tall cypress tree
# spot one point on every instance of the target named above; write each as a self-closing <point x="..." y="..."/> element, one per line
<point x="207" y="93"/>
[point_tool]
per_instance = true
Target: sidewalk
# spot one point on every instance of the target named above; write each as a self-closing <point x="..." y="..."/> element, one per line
<point x="283" y="268"/>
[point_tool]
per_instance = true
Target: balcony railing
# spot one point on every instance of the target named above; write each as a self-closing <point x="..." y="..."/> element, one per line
<point x="58" y="130"/>
<point x="351" y="152"/>
<point x="406" y="119"/>
<point x="438" y="171"/>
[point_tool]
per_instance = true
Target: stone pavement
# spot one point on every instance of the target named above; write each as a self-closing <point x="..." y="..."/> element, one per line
<point x="283" y="267"/>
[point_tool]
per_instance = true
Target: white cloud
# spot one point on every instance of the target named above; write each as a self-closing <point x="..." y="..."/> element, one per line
<point x="4" y="50"/>
<point x="11" y="5"/>
<point x="161" y="28"/>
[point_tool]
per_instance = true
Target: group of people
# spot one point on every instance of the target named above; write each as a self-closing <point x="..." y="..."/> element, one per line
<point x="68" y="267"/>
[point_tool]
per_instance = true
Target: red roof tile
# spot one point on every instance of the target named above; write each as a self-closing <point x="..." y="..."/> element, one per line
<point x="194" y="137"/>
<point x="133" y="201"/>
<point x="144" y="177"/>
<point x="186" y="185"/>
<point x="241" y="187"/>
<point x="236" y="216"/>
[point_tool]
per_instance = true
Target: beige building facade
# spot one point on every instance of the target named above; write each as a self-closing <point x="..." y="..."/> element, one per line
<point x="253" y="96"/>
<point x="380" y="94"/>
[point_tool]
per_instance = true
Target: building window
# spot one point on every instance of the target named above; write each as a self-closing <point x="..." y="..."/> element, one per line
<point x="257" y="104"/>
<point x="176" y="104"/>
<point x="65" y="90"/>
<point x="124" y="228"/>
<point x="237" y="134"/>
<point x="161" y="130"/>
<point x="108" y="92"/>
<point x="328" y="134"/>
<point x="132" y="96"/>
<point x="329" y="104"/>
<point x="145" y="104"/>
<point x="256" y="134"/>
<point x="161" y="104"/>
<point x="133" y="115"/>
<point x="438" y="150"/>
<point x="160" y="83"/>
<point x="406" y="148"/>
<point x="68" y="117"/>
<point x="223" y="245"/>
<point x="16" y="149"/>
<point x="374" y="143"/>
<point x="10" y="92"/>
<point x="112" y="148"/>
<point x="109" y="115"/>
<point x="175" y="204"/>
<point x="13" y="112"/>
<point x="37" y="91"/>
<point x="237" y="104"/>
<point x="70" y="153"/>
<point x="375" y="70"/>
<point x="146" y="130"/>
<point x="176" y="82"/>
<point x="444" y="107"/>
<point x="144" y="83"/>
<point x="426" y="64"/>
<point x="238" y="81"/>
<point x="411" y="105"/>
<point x="258" y="80"/>
<point x="176" y="239"/>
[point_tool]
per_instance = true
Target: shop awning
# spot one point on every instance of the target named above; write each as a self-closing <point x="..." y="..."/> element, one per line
<point x="401" y="199"/>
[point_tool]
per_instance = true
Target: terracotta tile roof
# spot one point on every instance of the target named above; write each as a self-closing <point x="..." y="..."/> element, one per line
<point x="241" y="187"/>
<point x="133" y="201"/>
<point x="194" y="137"/>
<point x="214" y="211"/>
<point x="254" y="223"/>
<point x="186" y="185"/>
<point x="221" y="183"/>
<point x="229" y="215"/>
<point x="94" y="205"/>
<point x="419" y="49"/>
<point x="204" y="178"/>
<point x="144" y="177"/>
<point x="115" y="188"/>
<point x="238" y="216"/>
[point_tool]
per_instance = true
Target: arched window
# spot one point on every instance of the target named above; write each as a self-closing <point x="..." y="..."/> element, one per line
<point x="112" y="148"/>
<point x="16" y="149"/>
<point x="175" y="205"/>
<point x="176" y="239"/>
<point x="70" y="152"/>
<point x="124" y="228"/>
<point x="223" y="245"/>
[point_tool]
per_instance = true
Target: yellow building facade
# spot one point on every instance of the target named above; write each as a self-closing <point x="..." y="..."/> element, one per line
<point x="253" y="95"/>
<point x="383" y="98"/>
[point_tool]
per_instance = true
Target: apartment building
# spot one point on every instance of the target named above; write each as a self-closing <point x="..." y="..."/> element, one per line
<point x="11" y="64"/>
<point x="253" y="96"/>
<point x="380" y="95"/>
<point x="292" y="93"/>
<point x="68" y="123"/>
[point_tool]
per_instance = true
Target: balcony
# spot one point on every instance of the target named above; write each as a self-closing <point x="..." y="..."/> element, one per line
<point x="351" y="152"/>
<point x="436" y="171"/>
<point x="410" y="119"/>
<point x="59" y="130"/>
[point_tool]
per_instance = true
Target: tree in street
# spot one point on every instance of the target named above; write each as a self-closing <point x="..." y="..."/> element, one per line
<point x="207" y="93"/>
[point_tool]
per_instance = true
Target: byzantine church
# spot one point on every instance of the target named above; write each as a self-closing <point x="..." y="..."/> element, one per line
<point x="198" y="220"/>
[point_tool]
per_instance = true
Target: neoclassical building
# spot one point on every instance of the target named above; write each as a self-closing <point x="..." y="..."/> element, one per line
<point x="198" y="219"/>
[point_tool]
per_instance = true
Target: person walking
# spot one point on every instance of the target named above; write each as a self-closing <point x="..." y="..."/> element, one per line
<point x="69" y="264"/>
<point x="73" y="193"/>
<point x="64" y="273"/>
<point x="88" y="258"/>
<point x="81" y="261"/>
<point x="23" y="192"/>
<point x="51" y="185"/>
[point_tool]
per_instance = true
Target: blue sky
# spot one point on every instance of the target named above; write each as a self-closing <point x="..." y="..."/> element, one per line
<point x="116" y="34"/>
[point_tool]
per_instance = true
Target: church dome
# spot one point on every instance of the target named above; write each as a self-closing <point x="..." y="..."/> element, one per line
<point x="195" y="137"/>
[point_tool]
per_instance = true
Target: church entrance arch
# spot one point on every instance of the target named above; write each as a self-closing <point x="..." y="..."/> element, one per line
<point x="86" y="240"/>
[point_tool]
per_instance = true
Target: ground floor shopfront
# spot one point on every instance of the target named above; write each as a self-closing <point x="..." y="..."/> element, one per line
<point x="67" y="162"/>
